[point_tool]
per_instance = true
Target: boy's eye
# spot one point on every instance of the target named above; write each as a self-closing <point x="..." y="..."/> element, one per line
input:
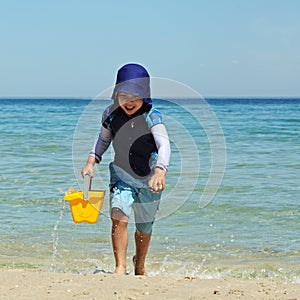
<point x="124" y="97"/>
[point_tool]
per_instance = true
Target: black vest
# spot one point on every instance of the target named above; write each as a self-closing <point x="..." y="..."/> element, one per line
<point x="133" y="141"/>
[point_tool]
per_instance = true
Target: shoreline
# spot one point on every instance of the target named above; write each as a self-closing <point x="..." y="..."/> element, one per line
<point x="26" y="284"/>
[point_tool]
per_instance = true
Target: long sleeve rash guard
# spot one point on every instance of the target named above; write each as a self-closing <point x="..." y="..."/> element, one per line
<point x="132" y="137"/>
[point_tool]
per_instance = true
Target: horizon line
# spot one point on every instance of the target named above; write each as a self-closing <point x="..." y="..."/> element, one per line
<point x="200" y="96"/>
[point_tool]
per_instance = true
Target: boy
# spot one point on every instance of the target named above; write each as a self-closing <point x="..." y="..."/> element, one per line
<point x="142" y="154"/>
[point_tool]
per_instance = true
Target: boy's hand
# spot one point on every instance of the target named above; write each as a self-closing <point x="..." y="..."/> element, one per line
<point x="89" y="167"/>
<point x="157" y="181"/>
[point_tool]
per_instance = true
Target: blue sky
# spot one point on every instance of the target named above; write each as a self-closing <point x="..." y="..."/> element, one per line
<point x="217" y="47"/>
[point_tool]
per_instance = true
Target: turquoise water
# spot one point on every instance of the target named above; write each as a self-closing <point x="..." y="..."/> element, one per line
<point x="251" y="228"/>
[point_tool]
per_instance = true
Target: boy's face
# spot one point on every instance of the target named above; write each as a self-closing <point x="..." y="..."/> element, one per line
<point x="129" y="103"/>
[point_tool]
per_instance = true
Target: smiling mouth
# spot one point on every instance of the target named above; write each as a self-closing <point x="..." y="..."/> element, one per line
<point x="129" y="108"/>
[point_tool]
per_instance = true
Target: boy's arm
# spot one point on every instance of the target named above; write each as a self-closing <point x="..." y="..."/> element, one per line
<point x="162" y="142"/>
<point x="157" y="181"/>
<point x="100" y="146"/>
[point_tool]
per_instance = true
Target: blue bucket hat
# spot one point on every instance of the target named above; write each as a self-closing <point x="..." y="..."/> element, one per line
<point x="135" y="80"/>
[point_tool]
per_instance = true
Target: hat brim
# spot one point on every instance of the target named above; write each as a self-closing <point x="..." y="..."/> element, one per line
<point x="130" y="88"/>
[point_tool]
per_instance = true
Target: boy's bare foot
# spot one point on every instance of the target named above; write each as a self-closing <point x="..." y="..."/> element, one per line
<point x="120" y="270"/>
<point x="138" y="270"/>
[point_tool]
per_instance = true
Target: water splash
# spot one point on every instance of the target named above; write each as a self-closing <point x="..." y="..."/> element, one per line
<point x="55" y="237"/>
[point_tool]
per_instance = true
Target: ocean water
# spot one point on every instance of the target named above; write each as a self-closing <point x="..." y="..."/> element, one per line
<point x="231" y="207"/>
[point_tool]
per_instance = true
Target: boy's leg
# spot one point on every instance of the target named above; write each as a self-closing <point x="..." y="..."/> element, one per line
<point x="145" y="208"/>
<point x="121" y="199"/>
<point x="142" y="242"/>
<point x="119" y="236"/>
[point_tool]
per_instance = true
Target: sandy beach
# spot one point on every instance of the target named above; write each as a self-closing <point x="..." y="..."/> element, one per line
<point x="20" y="284"/>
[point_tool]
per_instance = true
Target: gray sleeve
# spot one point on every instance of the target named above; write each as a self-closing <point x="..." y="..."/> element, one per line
<point x="162" y="142"/>
<point x="101" y="144"/>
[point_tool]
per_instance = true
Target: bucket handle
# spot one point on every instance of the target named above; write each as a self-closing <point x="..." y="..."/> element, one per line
<point x="87" y="184"/>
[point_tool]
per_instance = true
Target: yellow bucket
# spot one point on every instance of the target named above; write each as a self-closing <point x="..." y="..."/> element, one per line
<point x="85" y="210"/>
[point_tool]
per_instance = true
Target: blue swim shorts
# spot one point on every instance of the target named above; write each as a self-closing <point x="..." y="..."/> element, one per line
<point x="141" y="200"/>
